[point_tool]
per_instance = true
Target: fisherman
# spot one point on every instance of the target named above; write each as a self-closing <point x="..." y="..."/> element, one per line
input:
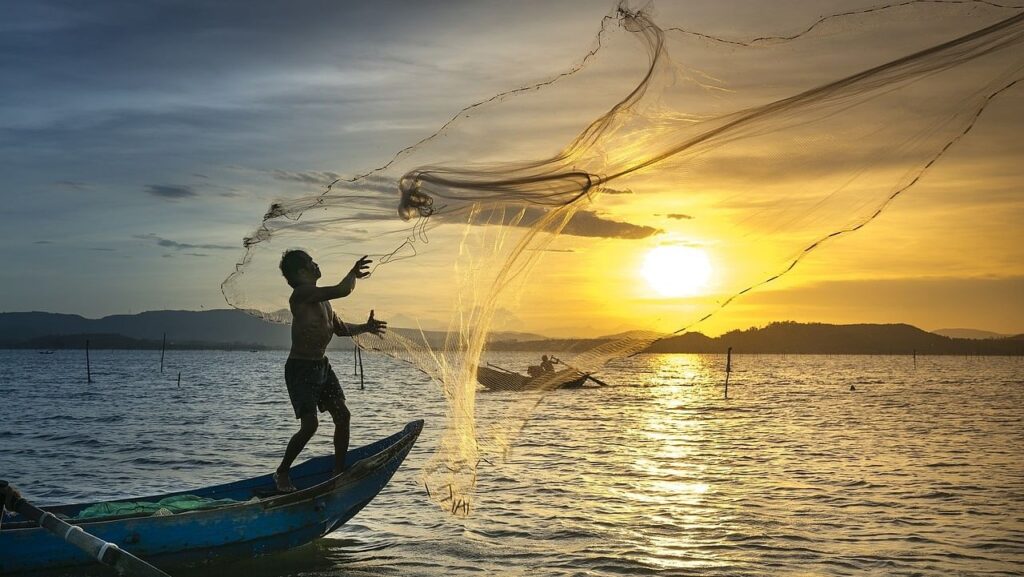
<point x="547" y="365"/>
<point x="311" y="382"/>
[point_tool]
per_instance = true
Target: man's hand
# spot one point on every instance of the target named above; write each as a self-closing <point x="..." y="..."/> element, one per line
<point x="361" y="269"/>
<point x="348" y="284"/>
<point x="376" y="327"/>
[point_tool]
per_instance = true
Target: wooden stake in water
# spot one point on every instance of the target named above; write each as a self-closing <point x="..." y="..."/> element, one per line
<point x="88" y="367"/>
<point x="179" y="379"/>
<point x="728" y="369"/>
<point x="359" y="355"/>
<point x="915" y="358"/>
<point x="163" y="346"/>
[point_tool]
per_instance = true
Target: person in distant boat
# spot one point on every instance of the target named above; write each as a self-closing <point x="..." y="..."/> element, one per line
<point x="311" y="381"/>
<point x="547" y="365"/>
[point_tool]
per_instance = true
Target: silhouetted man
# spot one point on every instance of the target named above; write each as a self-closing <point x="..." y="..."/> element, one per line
<point x="311" y="381"/>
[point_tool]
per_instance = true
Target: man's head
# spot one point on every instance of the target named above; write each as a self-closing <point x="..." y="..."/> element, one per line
<point x="544" y="358"/>
<point x="298" y="268"/>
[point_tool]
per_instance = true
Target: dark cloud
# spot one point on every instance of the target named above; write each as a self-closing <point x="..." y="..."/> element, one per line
<point x="584" y="223"/>
<point x="101" y="249"/>
<point x="373" y="183"/>
<point x="167" y="243"/>
<point x="43" y="242"/>
<point x="312" y="177"/>
<point x="171" y="192"/>
<point x="606" y="190"/>
<point x="73" y="185"/>
<point x="380" y="204"/>
<point x="679" y="216"/>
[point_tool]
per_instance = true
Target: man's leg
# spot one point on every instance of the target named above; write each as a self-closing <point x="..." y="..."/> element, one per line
<point x="295" y="446"/>
<point x="342" y="422"/>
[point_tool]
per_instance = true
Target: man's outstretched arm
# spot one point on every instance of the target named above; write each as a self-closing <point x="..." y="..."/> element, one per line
<point x="372" y="325"/>
<point x="344" y="288"/>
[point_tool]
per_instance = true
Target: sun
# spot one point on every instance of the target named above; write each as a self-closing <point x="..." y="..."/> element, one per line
<point x="677" y="271"/>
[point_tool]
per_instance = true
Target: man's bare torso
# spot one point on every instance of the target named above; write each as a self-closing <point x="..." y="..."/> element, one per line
<point x="312" y="329"/>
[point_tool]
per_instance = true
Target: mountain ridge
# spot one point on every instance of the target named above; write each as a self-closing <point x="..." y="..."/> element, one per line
<point x="788" y="337"/>
<point x="219" y="328"/>
<point x="234" y="329"/>
<point x="961" y="333"/>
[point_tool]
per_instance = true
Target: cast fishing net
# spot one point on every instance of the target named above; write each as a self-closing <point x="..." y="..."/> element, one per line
<point x="755" y="147"/>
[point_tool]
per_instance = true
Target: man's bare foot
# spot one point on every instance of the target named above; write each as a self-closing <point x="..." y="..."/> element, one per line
<point x="340" y="468"/>
<point x="283" y="482"/>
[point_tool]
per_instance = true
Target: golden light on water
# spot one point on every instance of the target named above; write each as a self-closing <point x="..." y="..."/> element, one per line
<point x="677" y="271"/>
<point x="674" y="485"/>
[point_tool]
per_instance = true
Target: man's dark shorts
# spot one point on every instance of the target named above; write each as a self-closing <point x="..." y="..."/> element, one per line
<point x="312" y="385"/>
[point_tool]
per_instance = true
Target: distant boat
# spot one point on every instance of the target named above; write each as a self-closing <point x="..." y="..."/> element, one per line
<point x="260" y="521"/>
<point x="45" y="352"/>
<point x="502" y="380"/>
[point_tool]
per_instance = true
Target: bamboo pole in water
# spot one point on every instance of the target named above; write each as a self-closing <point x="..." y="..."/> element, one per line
<point x="359" y="355"/>
<point x="88" y="367"/>
<point x="728" y="369"/>
<point x="163" y="346"/>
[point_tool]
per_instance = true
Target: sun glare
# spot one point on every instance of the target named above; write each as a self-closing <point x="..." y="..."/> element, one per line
<point x="677" y="271"/>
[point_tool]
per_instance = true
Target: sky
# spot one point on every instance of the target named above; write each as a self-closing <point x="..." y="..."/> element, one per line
<point x="140" y="142"/>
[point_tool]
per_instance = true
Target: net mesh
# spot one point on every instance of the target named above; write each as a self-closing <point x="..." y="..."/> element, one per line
<point x="752" y="151"/>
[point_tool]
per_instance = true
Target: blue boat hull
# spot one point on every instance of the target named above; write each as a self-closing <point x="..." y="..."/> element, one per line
<point x="254" y="526"/>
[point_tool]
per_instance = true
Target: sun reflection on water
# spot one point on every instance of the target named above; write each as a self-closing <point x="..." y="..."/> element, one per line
<point x="682" y="372"/>
<point x="672" y="482"/>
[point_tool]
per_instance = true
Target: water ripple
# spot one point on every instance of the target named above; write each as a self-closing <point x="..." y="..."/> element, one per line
<point x="919" y="471"/>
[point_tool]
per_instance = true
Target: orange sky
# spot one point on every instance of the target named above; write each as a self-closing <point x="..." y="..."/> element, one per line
<point x="136" y="187"/>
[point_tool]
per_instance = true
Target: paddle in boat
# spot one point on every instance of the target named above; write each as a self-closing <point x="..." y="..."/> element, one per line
<point x="237" y="520"/>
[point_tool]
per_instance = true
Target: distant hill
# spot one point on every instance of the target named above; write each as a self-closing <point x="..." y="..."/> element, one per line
<point x="233" y="329"/>
<point x="803" y="338"/>
<point x="817" y="338"/>
<point x="223" y="328"/>
<point x="969" y="334"/>
<point x="113" y="341"/>
<point x="229" y="328"/>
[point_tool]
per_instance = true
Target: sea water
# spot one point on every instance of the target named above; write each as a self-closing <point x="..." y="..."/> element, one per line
<point x="918" y="470"/>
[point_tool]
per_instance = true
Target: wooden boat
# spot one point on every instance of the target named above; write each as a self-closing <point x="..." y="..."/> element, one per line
<point x="499" y="380"/>
<point x="261" y="521"/>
